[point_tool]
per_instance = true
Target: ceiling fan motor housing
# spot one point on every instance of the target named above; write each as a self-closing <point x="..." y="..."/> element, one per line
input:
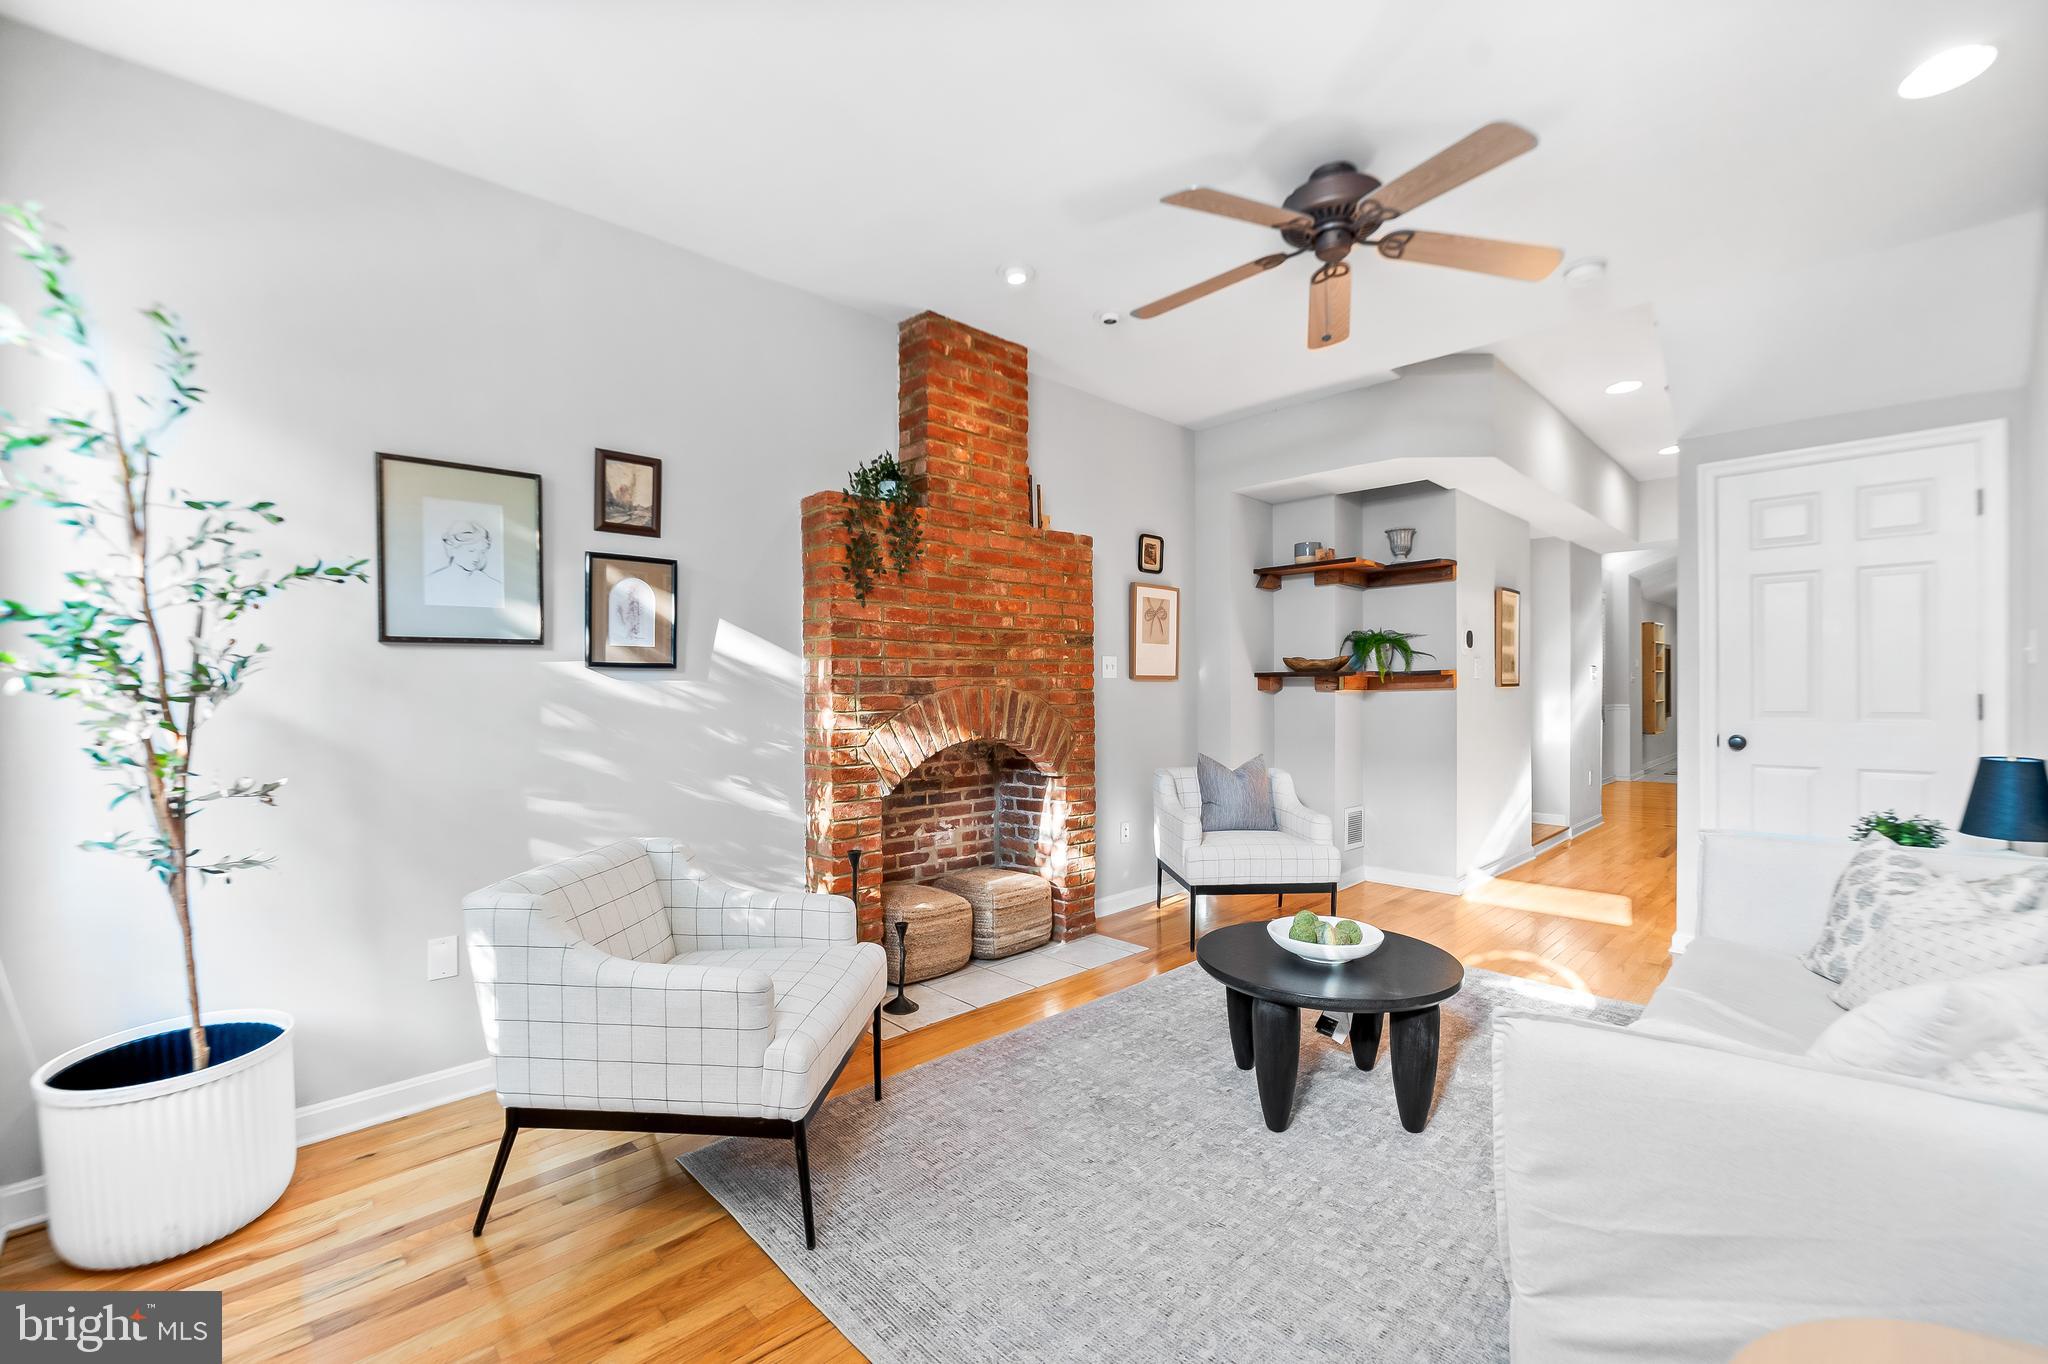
<point x="1330" y="196"/>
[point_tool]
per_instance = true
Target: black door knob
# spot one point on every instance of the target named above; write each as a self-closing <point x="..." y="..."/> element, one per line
<point x="1737" y="742"/>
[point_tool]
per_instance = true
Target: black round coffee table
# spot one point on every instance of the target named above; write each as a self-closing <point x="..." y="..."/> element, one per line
<point x="1266" y="987"/>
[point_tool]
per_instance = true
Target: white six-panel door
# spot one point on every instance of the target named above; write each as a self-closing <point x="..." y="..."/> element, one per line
<point x="1853" y="594"/>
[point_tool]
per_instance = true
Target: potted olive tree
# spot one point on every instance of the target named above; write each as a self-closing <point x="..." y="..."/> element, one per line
<point x="161" y="1138"/>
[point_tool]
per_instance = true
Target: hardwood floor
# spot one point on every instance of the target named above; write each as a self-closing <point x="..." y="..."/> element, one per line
<point x="1539" y="834"/>
<point x="600" y="1247"/>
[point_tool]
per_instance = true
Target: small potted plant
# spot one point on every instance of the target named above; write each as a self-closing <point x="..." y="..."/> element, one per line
<point x="881" y="502"/>
<point x="1917" y="832"/>
<point x="1374" y="651"/>
<point x="161" y="1138"/>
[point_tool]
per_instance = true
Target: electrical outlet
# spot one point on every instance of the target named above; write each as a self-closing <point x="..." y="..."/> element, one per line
<point x="1109" y="665"/>
<point x="1124" y="832"/>
<point x="440" y="958"/>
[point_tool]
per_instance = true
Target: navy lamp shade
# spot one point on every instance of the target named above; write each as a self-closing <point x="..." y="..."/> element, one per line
<point x="2009" y="801"/>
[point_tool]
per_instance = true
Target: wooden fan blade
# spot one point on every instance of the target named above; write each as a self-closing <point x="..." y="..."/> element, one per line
<point x="1212" y="284"/>
<point x="1233" y="206"/>
<point x="1493" y="145"/>
<point x="1512" y="259"/>
<point x="1329" y="305"/>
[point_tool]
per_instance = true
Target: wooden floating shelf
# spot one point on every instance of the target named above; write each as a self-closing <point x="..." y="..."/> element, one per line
<point x="1433" y="679"/>
<point x="1360" y="573"/>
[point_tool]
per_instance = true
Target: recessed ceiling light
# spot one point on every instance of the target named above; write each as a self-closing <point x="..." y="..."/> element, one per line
<point x="1944" y="71"/>
<point x="1017" y="276"/>
<point x="1109" y="319"/>
<point x="1668" y="450"/>
<point x="1585" y="271"/>
<point x="1622" y="386"/>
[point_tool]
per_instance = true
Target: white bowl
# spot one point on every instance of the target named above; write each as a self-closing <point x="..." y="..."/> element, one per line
<point x="1315" y="951"/>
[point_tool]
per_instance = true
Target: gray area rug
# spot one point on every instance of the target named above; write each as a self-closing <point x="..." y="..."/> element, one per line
<point x="1099" y="1186"/>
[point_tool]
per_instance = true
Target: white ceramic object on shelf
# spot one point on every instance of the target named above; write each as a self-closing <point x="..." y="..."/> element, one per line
<point x="1330" y="955"/>
<point x="143" y="1172"/>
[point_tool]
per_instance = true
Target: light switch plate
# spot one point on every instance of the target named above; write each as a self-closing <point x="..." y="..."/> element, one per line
<point x="440" y="958"/>
<point x="1109" y="665"/>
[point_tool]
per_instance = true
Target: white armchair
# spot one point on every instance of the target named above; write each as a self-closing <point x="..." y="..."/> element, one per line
<point x="626" y="989"/>
<point x="1298" y="856"/>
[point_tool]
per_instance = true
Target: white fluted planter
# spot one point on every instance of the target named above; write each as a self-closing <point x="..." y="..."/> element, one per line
<point x="145" y="1171"/>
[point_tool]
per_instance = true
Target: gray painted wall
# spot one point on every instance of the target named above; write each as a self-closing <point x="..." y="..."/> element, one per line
<point x="1588" y="669"/>
<point x="1493" y="720"/>
<point x="1110" y="473"/>
<point x="1547" y="673"/>
<point x="349" y="300"/>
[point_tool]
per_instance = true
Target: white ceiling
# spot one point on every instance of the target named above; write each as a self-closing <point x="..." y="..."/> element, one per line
<point x="1572" y="365"/>
<point x="895" y="154"/>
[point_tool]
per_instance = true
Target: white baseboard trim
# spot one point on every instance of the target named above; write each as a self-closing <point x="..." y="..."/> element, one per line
<point x="1129" y="899"/>
<point x="1507" y="863"/>
<point x="1540" y="818"/>
<point x="1581" y="830"/>
<point x="1679" y="942"/>
<point x="401" y="1098"/>
<point x="22" y="1204"/>
<point x="1410" y="880"/>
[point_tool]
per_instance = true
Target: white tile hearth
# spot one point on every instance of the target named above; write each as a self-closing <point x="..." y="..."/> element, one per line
<point x="986" y="982"/>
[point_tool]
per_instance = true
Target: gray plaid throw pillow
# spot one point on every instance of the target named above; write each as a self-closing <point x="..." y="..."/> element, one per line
<point x="1235" y="800"/>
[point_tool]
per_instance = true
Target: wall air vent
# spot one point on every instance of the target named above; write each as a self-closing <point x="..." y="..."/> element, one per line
<point x="1354" y="827"/>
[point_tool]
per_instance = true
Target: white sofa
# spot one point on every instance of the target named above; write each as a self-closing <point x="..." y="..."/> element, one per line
<point x="1674" y="1189"/>
<point x="627" y="989"/>
<point x="1297" y="856"/>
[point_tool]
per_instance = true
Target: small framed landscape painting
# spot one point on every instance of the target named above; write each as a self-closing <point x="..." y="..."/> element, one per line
<point x="1151" y="554"/>
<point x="1155" y="632"/>
<point x="629" y="611"/>
<point x="1507" y="637"/>
<point x="628" y="493"/>
<point x="458" y="553"/>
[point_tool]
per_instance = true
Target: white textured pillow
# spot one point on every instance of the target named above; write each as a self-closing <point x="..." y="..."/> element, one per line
<point x="1883" y="878"/>
<point x="1925" y="1028"/>
<point x="1946" y="937"/>
<point x="2016" y="1068"/>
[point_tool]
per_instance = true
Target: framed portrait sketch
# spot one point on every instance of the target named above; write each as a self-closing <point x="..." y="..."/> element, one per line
<point x="1155" y="632"/>
<point x="458" y="553"/>
<point x="1507" y="637"/>
<point x="629" y="611"/>
<point x="1151" y="554"/>
<point x="628" y="493"/>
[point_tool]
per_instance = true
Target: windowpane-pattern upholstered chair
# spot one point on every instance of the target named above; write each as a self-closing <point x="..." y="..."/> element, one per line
<point x="1297" y="856"/>
<point x="627" y="990"/>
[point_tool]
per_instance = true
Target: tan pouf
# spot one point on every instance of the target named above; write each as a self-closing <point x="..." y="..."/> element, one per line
<point x="938" y="935"/>
<point x="1012" y="909"/>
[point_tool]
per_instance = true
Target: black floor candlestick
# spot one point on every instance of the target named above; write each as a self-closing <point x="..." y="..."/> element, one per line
<point x="902" y="1004"/>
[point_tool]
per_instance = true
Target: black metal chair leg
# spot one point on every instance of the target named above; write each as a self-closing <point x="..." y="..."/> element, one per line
<point x="497" y="1173"/>
<point x="803" y="1179"/>
<point x="877" y="1025"/>
<point x="1333" y="902"/>
<point x="1193" y="900"/>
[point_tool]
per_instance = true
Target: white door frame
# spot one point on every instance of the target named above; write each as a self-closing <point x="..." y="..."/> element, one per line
<point x="1994" y="619"/>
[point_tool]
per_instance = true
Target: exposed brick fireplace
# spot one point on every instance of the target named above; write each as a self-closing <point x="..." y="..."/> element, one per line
<point x="950" y="720"/>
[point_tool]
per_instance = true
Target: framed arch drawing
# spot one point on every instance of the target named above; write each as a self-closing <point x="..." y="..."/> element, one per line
<point x="629" y="611"/>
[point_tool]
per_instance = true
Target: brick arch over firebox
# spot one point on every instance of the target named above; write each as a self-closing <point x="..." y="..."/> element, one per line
<point x="962" y="715"/>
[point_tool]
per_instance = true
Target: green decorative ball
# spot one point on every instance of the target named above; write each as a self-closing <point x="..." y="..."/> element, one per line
<point x="1306" y="927"/>
<point x="1347" y="934"/>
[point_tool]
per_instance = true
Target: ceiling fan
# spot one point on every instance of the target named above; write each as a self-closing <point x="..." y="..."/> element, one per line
<point x="1340" y="207"/>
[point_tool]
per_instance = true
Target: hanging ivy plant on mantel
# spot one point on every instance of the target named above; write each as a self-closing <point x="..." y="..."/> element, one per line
<point x="881" y="502"/>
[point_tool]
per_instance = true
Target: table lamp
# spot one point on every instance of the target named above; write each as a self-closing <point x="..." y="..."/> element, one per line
<point x="2009" y="801"/>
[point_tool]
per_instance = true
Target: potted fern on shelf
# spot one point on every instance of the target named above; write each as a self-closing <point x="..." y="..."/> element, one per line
<point x="1375" y="651"/>
<point x="164" y="1137"/>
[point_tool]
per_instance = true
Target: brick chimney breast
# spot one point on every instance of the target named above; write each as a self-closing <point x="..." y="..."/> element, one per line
<point x="964" y="691"/>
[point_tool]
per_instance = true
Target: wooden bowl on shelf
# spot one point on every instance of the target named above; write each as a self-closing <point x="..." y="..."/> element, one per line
<point x="1318" y="667"/>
